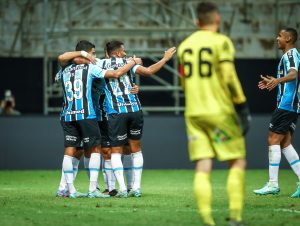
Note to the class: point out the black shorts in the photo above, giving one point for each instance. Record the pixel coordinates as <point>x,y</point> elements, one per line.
<point>283,121</point>
<point>83,130</point>
<point>125,126</point>
<point>103,125</point>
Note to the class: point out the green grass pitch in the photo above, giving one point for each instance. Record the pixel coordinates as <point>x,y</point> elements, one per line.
<point>28,198</point>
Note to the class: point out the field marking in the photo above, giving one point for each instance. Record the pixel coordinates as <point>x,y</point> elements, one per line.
<point>287,210</point>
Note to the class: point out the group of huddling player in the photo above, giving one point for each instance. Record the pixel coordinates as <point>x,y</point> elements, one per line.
<point>102,119</point>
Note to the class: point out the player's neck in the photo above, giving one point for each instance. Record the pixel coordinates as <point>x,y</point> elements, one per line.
<point>287,48</point>
<point>209,27</point>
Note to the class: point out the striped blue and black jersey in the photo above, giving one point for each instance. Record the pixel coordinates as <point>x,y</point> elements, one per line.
<point>118,97</point>
<point>288,95</point>
<point>79,82</point>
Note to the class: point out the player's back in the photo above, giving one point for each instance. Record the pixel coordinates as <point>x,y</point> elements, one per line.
<point>200,56</point>
<point>77,84</point>
<point>118,96</point>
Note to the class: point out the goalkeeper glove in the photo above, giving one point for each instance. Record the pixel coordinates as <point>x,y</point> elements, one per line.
<point>243,116</point>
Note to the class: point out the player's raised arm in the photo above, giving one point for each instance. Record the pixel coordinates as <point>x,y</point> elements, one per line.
<point>65,58</point>
<point>122,70</point>
<point>147,71</point>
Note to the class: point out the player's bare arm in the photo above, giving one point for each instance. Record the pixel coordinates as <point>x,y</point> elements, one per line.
<point>147,71</point>
<point>80,60</point>
<point>65,58</point>
<point>292,75</point>
<point>122,70</point>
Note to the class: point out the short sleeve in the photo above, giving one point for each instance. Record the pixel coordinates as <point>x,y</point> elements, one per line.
<point>58,75</point>
<point>99,62</point>
<point>133,69</point>
<point>226,50</point>
<point>96,71</point>
<point>292,60</point>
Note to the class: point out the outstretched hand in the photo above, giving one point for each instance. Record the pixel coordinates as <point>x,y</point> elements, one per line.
<point>267,82</point>
<point>169,53</point>
<point>263,82</point>
<point>273,82</point>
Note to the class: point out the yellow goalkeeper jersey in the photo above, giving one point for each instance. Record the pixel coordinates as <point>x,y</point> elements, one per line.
<point>206,90</point>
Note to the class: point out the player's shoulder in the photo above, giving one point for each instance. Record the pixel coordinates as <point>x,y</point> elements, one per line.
<point>290,54</point>
<point>224,43</point>
<point>221,38</point>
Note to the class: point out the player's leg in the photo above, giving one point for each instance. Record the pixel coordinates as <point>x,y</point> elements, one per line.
<point>108,175</point>
<point>111,180</point>
<point>137,167</point>
<point>279,128</point>
<point>118,170</point>
<point>201,151</point>
<point>136,124</point>
<point>117,130</point>
<point>104,175</point>
<point>236,189</point>
<point>127,163</point>
<point>72,140</point>
<point>91,141</point>
<point>76,160</point>
<point>203,190</point>
<point>293,159</point>
<point>229,145</point>
<point>63,188</point>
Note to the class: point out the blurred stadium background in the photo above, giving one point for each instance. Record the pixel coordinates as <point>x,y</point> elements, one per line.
<point>35,32</point>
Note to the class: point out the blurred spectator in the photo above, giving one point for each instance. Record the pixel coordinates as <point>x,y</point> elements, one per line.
<point>8,105</point>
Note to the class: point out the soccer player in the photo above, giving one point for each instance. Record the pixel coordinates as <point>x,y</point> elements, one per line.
<point>284,118</point>
<point>125,117</point>
<point>78,117</point>
<point>216,112</point>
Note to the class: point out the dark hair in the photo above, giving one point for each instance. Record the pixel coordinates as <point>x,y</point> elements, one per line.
<point>292,32</point>
<point>112,46</point>
<point>204,10</point>
<point>84,45</point>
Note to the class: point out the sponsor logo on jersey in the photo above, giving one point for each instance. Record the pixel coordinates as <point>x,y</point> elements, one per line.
<point>75,112</point>
<point>77,67</point>
<point>127,104</point>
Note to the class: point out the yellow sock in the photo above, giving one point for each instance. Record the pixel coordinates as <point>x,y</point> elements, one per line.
<point>236,190</point>
<point>202,189</point>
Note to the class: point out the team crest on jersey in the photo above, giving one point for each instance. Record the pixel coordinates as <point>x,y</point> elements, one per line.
<point>225,47</point>
<point>220,136</point>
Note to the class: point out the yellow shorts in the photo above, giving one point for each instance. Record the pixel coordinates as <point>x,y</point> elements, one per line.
<point>215,136</point>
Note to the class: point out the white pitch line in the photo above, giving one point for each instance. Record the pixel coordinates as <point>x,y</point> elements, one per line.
<point>287,210</point>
